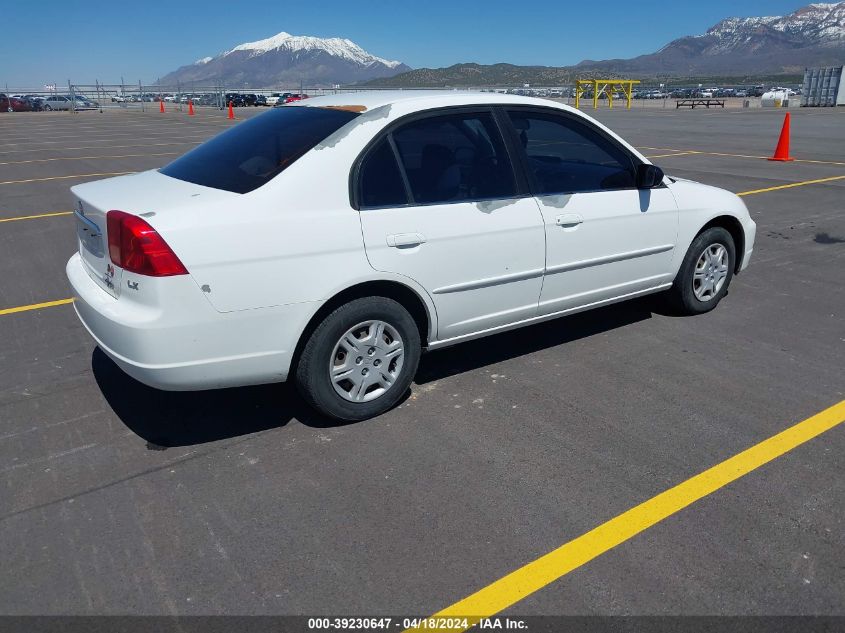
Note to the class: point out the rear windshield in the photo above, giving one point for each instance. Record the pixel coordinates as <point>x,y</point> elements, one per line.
<point>255,151</point>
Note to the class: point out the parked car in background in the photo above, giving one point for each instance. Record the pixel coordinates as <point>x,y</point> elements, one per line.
<point>261,100</point>
<point>84,103</point>
<point>285,96</point>
<point>36,101</point>
<point>277,97</point>
<point>236,99</point>
<point>331,247</point>
<point>57,102</point>
<point>206,99</point>
<point>295,97</point>
<point>14,104</point>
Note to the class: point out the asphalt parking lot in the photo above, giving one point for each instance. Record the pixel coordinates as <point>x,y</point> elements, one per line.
<point>117,499</point>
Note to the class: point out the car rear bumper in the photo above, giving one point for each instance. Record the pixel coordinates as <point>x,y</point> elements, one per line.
<point>189,345</point>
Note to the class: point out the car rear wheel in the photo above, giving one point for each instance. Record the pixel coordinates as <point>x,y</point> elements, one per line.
<point>705,273</point>
<point>360,360</point>
<point>48,108</point>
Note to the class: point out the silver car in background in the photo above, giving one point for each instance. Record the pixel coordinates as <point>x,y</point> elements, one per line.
<point>57,102</point>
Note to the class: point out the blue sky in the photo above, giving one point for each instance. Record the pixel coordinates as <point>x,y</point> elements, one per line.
<point>145,39</point>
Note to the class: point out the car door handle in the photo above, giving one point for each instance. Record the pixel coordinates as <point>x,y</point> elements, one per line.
<point>569,220</point>
<point>400,240</point>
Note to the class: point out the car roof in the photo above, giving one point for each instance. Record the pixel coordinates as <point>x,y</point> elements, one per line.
<point>423,99</point>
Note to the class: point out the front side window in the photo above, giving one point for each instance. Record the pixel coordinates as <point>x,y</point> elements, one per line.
<point>254,152</point>
<point>456,157</point>
<point>568,156</point>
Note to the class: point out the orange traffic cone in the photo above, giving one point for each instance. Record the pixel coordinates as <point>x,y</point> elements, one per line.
<point>160,104</point>
<point>190,107</point>
<point>782,150</point>
<point>231,111</point>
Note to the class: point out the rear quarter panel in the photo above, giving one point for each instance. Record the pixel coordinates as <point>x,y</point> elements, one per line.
<point>296,239</point>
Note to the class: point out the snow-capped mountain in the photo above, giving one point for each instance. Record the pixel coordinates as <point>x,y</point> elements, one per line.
<point>811,36</point>
<point>343,48</point>
<point>287,60</point>
<point>821,24</point>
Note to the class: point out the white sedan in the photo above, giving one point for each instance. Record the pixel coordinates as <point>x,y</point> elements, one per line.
<point>333,240</point>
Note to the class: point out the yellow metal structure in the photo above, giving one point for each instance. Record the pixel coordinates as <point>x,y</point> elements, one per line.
<point>606,86</point>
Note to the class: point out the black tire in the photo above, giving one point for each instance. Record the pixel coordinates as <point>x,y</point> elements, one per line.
<point>312,374</point>
<point>681,295</point>
<point>48,108</point>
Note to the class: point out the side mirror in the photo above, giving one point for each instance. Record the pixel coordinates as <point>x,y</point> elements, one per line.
<point>649,176</point>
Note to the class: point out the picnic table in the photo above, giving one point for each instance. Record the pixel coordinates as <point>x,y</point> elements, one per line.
<point>694,103</point>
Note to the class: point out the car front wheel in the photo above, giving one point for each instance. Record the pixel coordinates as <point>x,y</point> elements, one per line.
<point>360,360</point>
<point>705,273</point>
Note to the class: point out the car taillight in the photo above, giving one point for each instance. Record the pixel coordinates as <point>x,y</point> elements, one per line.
<point>137,247</point>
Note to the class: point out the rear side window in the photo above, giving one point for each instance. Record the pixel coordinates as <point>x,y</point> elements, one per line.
<point>255,151</point>
<point>454,158</point>
<point>381,180</point>
<point>568,156</point>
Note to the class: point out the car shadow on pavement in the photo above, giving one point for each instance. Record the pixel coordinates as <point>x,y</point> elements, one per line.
<point>501,347</point>
<point>169,418</point>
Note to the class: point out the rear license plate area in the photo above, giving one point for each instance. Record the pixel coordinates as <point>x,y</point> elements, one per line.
<point>89,234</point>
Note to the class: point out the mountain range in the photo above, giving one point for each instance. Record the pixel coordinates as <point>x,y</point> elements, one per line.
<point>811,36</point>
<point>287,60</point>
<point>735,47</point>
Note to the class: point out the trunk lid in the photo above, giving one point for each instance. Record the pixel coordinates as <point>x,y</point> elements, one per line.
<point>145,194</point>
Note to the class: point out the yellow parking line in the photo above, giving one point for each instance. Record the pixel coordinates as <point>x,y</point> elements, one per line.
<point>35,217</point>
<point>110,173</point>
<point>817,162</point>
<point>659,155</point>
<point>791,185</point>
<point>521,583</point>
<point>736,155</point>
<point>95,140</point>
<point>67,149</point>
<point>47,160</point>
<point>35,306</point>
<point>682,152</point>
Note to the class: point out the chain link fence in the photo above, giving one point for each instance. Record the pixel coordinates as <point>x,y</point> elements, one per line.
<point>142,97</point>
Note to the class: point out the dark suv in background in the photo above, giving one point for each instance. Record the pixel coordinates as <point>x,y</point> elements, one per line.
<point>237,100</point>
